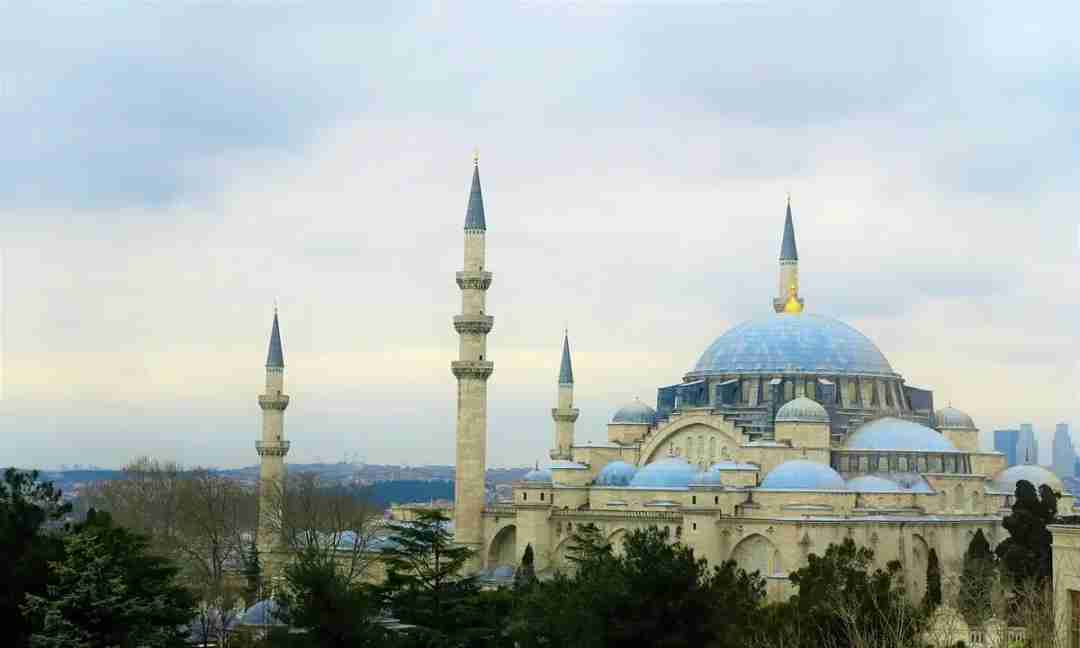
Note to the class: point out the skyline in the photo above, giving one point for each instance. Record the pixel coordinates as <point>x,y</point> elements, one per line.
<point>168,194</point>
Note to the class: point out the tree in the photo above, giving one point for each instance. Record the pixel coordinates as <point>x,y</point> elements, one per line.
<point>252,569</point>
<point>1025,555</point>
<point>525,575</point>
<point>655,593</point>
<point>424,583</point>
<point>932,599</point>
<point>108,590</point>
<point>27,508</point>
<point>975,593</point>
<point>843,601</point>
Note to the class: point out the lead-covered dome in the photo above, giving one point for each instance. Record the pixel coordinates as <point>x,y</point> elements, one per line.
<point>950,417</point>
<point>669,472</point>
<point>792,344</point>
<point>616,473</point>
<point>800,474</point>
<point>1006,480</point>
<point>537,475</point>
<point>889,433</point>
<point>635,412</point>
<point>802,410</point>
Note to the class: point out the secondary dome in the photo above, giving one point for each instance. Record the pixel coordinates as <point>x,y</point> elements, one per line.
<point>800,474</point>
<point>792,344</point>
<point>635,412</point>
<point>707,478</point>
<point>264,613</point>
<point>537,475</point>
<point>802,410</point>
<point>890,433</point>
<point>872,484</point>
<point>950,417</point>
<point>1005,481</point>
<point>669,472</point>
<point>616,473</point>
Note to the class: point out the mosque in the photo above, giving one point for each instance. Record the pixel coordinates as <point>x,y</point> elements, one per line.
<point>792,431</point>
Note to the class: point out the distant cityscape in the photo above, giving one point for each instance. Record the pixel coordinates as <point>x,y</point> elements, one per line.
<point>1021,447</point>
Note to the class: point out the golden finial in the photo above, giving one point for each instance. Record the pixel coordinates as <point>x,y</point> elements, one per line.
<point>476,156</point>
<point>793,305</point>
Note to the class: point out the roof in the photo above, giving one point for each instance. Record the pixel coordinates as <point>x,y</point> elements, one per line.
<point>1006,480</point>
<point>275,358</point>
<point>802,410</point>
<point>788,251</point>
<point>537,475</point>
<point>950,417</point>
<point>779,344</point>
<point>566,371</point>
<point>889,433</point>
<point>800,474</point>
<point>634,412</point>
<point>616,473</point>
<point>669,472</point>
<point>474,213</point>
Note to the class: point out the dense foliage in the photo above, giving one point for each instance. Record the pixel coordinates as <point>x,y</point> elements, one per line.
<point>932,598</point>
<point>1025,555</point>
<point>977,581</point>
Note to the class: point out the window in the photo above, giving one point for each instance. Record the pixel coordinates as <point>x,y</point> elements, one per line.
<point>716,500</point>
<point>693,499</point>
<point>525,496</point>
<point>693,526</point>
<point>1074,619</point>
<point>541,497</point>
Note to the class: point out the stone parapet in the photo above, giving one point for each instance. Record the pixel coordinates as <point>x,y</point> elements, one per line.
<point>273,401</point>
<point>473,323</point>
<point>565,415</point>
<point>472,368</point>
<point>474,280</point>
<point>274,449</point>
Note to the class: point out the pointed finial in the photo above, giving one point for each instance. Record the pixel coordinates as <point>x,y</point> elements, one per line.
<point>476,156</point>
<point>275,305</point>
<point>789,199</point>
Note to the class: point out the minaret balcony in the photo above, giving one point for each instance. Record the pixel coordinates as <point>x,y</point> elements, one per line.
<point>475,280</point>
<point>273,401</point>
<point>473,323</point>
<point>565,415</point>
<point>272,448</point>
<point>472,368</point>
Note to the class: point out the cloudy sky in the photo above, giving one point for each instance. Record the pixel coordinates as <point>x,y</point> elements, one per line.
<point>168,169</point>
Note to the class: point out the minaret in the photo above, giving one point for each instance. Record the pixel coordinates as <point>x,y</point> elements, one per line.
<point>273,447</point>
<point>472,369</point>
<point>789,267</point>
<point>565,414</point>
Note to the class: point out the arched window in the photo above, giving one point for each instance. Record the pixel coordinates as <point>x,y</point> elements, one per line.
<point>541,497</point>
<point>958,497</point>
<point>525,496</point>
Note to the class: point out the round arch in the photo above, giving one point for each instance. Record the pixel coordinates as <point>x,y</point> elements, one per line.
<point>502,552</point>
<point>758,553</point>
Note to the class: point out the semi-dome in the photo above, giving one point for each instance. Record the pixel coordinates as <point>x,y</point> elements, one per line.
<point>635,412</point>
<point>616,473</point>
<point>1005,481</point>
<point>891,433</point>
<point>537,475</point>
<point>669,472</point>
<point>950,417</point>
<point>792,344</point>
<point>800,474</point>
<point>802,410</point>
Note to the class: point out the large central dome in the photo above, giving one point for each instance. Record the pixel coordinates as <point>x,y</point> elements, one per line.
<point>802,343</point>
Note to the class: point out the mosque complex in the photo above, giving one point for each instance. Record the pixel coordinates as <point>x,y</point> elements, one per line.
<point>791,432</point>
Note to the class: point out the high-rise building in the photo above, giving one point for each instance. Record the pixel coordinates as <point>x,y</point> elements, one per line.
<point>1005,443</point>
<point>1027,446</point>
<point>1064,456</point>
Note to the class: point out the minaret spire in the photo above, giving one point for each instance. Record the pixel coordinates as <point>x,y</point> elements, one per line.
<point>272,446</point>
<point>787,298</point>
<point>472,369</point>
<point>564,414</point>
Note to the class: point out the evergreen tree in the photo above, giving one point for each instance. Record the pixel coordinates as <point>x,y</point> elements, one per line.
<point>108,590</point>
<point>252,569</point>
<point>977,581</point>
<point>525,575</point>
<point>1025,555</point>
<point>932,599</point>
<point>27,507</point>
<point>424,583</point>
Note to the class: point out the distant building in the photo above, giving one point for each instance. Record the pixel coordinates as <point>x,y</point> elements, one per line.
<point>1005,443</point>
<point>1027,446</point>
<point>1064,456</point>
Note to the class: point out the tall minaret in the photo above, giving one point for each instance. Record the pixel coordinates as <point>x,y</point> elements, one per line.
<point>789,267</point>
<point>472,370</point>
<point>565,414</point>
<point>273,447</point>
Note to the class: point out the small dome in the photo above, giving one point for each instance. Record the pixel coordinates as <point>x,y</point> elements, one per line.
<point>1005,481</point>
<point>800,474</point>
<point>950,417</point>
<point>263,613</point>
<point>872,484</point>
<point>670,472</point>
<point>635,412</point>
<point>802,410</point>
<point>616,473</point>
<point>538,475</point>
<point>890,433</point>
<point>707,478</point>
<point>732,465</point>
